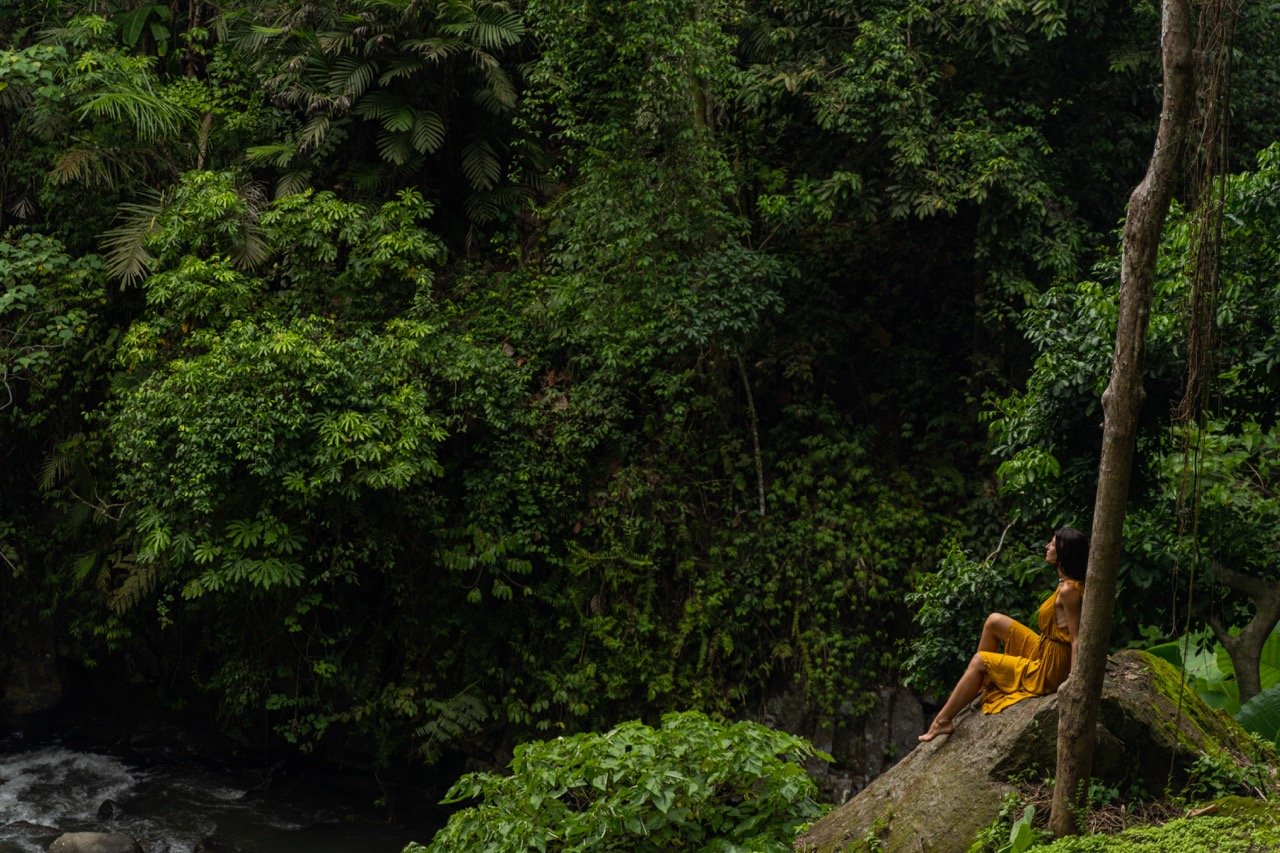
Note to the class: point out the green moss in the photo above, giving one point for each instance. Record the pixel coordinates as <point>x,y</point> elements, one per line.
<point>1240,825</point>
<point>1201,729</point>
<point>1221,834</point>
<point>1248,808</point>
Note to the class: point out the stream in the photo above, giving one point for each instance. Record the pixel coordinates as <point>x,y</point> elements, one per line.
<point>174,803</point>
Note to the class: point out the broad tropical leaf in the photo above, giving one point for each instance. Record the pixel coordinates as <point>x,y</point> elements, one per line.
<point>1261,714</point>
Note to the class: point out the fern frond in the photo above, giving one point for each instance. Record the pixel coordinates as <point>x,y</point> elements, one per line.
<point>455,719</point>
<point>480,165</point>
<point>428,132</point>
<point>501,86</point>
<point>137,584</point>
<point>483,207</point>
<point>56,469</point>
<point>15,95</point>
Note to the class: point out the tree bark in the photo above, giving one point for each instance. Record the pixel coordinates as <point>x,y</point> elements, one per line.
<point>755,431</point>
<point>1245,648</point>
<point>1121,402</point>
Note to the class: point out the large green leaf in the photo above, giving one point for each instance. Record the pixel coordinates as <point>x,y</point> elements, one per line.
<point>1261,714</point>
<point>1268,662</point>
<point>1220,694</point>
<point>1204,669</point>
<point>1170,651</point>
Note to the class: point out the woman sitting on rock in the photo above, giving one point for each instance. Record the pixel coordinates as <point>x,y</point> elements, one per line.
<point>1031,664</point>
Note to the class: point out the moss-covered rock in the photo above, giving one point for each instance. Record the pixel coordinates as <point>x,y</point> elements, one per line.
<point>1151,729</point>
<point>1236,825</point>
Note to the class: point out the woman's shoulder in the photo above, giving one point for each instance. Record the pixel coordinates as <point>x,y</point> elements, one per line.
<point>1070,589</point>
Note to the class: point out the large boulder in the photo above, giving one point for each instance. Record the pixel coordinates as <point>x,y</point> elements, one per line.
<point>1151,728</point>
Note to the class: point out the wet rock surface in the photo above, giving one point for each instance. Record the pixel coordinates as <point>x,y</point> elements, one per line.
<point>94,842</point>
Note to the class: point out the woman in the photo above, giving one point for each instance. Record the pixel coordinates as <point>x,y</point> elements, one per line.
<point>1031,664</point>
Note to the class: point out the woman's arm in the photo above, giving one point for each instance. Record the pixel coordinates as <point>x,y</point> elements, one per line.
<point>1070,596</point>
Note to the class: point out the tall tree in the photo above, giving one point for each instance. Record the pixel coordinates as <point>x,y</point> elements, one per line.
<point>1121,404</point>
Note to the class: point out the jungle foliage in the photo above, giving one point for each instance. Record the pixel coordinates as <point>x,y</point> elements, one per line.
<point>400,380</point>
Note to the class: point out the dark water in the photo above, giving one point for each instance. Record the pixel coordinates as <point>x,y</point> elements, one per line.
<point>179,803</point>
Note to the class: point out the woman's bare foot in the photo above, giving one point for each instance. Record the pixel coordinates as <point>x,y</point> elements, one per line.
<point>940,727</point>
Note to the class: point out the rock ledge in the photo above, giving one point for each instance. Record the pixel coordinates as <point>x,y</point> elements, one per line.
<point>1151,729</point>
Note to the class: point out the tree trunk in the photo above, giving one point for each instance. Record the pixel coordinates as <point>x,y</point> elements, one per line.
<point>1245,648</point>
<point>1121,402</point>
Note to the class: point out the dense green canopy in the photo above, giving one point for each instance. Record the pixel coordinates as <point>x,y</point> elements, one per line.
<point>404,379</point>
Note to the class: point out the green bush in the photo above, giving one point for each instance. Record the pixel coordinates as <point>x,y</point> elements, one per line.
<point>693,783</point>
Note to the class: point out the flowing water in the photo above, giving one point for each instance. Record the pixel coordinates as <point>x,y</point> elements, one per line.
<point>175,804</point>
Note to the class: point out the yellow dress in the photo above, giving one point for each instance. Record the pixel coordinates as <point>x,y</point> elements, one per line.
<point>1031,664</point>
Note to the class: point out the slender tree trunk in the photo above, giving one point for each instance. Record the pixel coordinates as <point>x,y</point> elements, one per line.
<point>1121,402</point>
<point>1245,648</point>
<point>755,431</point>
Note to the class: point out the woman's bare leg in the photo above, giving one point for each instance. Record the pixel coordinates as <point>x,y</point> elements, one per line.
<point>965,691</point>
<point>994,632</point>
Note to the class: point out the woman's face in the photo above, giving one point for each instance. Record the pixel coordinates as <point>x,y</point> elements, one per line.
<point>1051,551</point>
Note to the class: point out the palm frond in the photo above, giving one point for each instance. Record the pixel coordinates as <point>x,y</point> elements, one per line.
<point>125,245</point>
<point>350,78</point>
<point>150,116</point>
<point>313,132</point>
<point>368,179</point>
<point>394,147</point>
<point>279,154</point>
<point>15,94</point>
<point>76,164</point>
<point>489,101</point>
<point>401,66</point>
<point>251,250</point>
<point>294,182</point>
<point>379,105</point>
<point>498,31</point>
<point>335,42</point>
<point>435,50</point>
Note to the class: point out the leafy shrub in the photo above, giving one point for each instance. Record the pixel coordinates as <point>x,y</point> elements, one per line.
<point>692,783</point>
<point>952,603</point>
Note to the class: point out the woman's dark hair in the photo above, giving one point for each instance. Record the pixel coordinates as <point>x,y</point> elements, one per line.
<point>1073,552</point>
